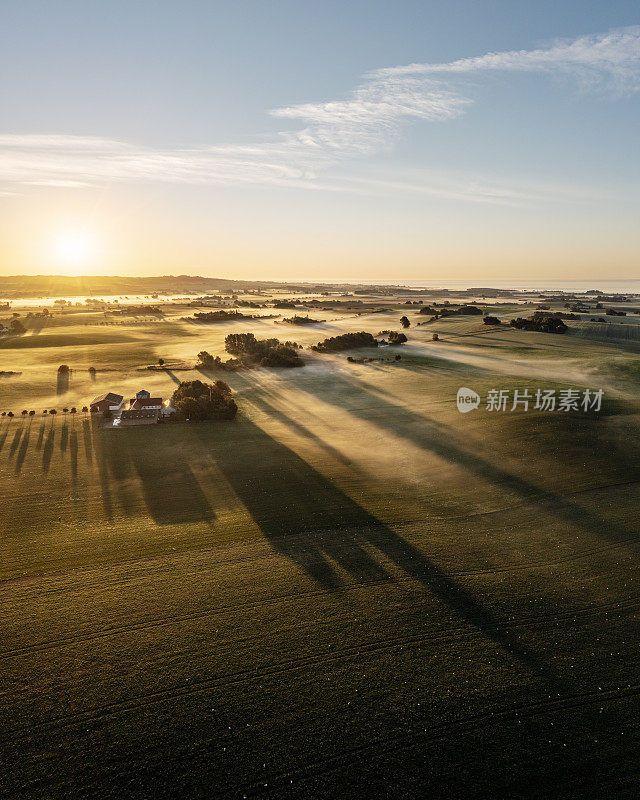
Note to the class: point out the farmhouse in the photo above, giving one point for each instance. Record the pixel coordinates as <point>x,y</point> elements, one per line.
<point>106,402</point>
<point>138,403</point>
<point>144,416</point>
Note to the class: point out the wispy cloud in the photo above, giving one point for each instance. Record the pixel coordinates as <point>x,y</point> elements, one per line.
<point>612,57</point>
<point>330,134</point>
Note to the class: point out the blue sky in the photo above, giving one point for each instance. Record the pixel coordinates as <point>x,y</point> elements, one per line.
<point>290,140</point>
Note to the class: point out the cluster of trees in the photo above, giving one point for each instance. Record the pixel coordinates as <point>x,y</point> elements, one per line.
<point>296,320</point>
<point>404,321</point>
<point>393,337</point>
<point>217,316</point>
<point>465,309</point>
<point>252,352</point>
<point>15,327</point>
<point>263,352</point>
<point>448,311</point>
<point>346,341</point>
<point>491,320</point>
<point>196,401</point>
<point>544,323</point>
<point>283,304</point>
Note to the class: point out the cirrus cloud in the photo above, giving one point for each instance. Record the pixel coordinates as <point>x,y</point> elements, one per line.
<point>330,134</point>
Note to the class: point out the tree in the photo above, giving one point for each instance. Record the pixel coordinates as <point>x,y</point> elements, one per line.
<point>264,352</point>
<point>346,341</point>
<point>65,411</point>
<point>195,400</point>
<point>491,321</point>
<point>435,337</point>
<point>92,370</point>
<point>16,327</point>
<point>64,369</point>
<point>161,362</point>
<point>53,412</point>
<point>24,412</point>
<point>85,409</point>
<point>10,414</point>
<point>74,410</point>
<point>45,412</point>
<point>404,321</point>
<point>205,360</point>
<point>32,413</point>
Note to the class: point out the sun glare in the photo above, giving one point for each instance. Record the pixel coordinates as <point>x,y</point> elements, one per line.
<point>74,250</point>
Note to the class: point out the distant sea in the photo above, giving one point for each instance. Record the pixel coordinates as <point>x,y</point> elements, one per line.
<point>608,287</point>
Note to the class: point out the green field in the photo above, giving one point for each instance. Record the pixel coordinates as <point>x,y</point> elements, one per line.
<point>352,590</point>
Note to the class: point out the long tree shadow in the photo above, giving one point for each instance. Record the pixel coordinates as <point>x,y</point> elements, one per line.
<point>47,449</point>
<point>287,498</point>
<point>22,451</point>
<point>40,438</point>
<point>15,442</point>
<point>162,483</point>
<point>63,382</point>
<point>92,430</point>
<point>258,397</point>
<point>170,489</point>
<point>172,375</point>
<point>64,438</point>
<point>433,437</point>
<point>73,453</point>
<point>3,435</point>
<point>86,438</point>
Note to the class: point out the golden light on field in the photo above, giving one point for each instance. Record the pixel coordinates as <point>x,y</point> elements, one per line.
<point>75,250</point>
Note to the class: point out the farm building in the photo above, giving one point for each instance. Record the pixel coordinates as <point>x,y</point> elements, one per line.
<point>168,408</point>
<point>142,416</point>
<point>138,403</point>
<point>106,402</point>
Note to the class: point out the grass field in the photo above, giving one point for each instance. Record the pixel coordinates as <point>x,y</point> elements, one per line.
<point>352,590</point>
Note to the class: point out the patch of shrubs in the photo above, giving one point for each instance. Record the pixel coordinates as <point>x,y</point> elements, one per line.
<point>449,311</point>
<point>544,323</point>
<point>393,337</point>
<point>197,401</point>
<point>346,341</point>
<point>471,310</point>
<point>283,304</point>
<point>217,316</point>
<point>296,320</point>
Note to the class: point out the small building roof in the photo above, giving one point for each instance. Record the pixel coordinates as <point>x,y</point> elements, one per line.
<point>143,393</point>
<point>111,397</point>
<point>143,402</point>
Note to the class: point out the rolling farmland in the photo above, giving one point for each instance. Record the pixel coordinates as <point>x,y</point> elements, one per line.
<point>350,590</point>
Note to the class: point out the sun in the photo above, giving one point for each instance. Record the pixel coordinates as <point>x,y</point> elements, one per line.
<point>74,250</point>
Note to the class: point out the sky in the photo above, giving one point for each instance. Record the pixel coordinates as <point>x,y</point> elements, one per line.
<point>436,140</point>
